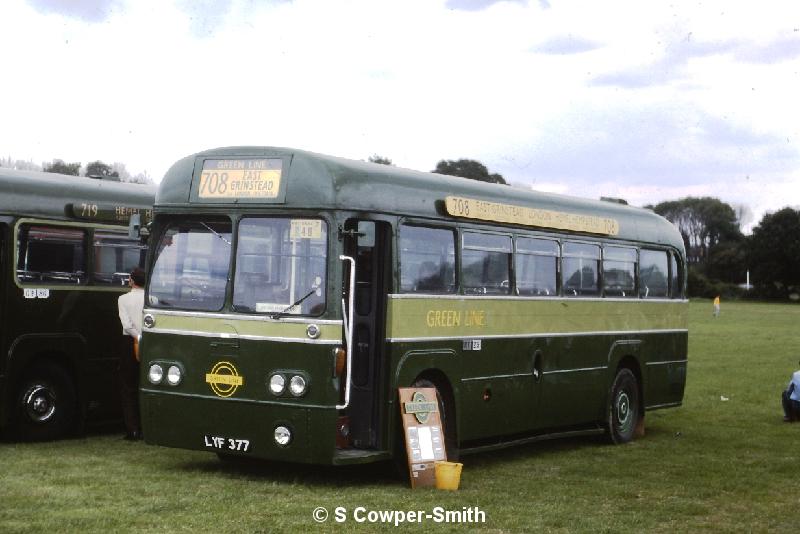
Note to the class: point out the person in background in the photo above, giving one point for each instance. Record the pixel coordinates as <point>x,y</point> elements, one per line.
<point>130,315</point>
<point>716,306</point>
<point>791,399</point>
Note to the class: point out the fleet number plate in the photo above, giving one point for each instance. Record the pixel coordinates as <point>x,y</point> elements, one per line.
<point>220,443</point>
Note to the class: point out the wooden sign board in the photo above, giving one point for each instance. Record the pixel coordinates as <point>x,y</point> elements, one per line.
<point>424,434</point>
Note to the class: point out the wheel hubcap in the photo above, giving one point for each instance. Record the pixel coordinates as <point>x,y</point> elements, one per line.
<point>40,403</point>
<point>623,409</point>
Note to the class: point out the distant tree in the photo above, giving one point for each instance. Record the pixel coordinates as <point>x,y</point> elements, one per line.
<point>703,223</point>
<point>122,172</point>
<point>774,252</point>
<point>140,178</point>
<point>727,262</point>
<point>468,168</point>
<point>98,168</point>
<point>60,167</point>
<point>375,158</point>
<point>19,164</point>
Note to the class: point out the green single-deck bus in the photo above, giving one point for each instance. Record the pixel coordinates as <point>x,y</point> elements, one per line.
<point>65,253</point>
<point>291,294</point>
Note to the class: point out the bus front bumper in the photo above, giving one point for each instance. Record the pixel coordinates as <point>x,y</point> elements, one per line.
<point>240,427</point>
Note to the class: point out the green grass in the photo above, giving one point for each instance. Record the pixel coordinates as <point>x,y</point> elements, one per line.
<point>712,465</point>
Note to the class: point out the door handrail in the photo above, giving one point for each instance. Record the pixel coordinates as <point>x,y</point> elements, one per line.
<point>347,319</point>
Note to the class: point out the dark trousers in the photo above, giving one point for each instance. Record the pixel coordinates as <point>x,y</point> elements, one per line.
<point>791,408</point>
<point>129,388</point>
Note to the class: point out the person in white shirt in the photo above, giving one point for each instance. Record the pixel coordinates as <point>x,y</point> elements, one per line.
<point>130,315</point>
<point>791,399</point>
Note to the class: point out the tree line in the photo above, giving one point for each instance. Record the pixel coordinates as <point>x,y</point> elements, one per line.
<point>720,255</point>
<point>115,171</point>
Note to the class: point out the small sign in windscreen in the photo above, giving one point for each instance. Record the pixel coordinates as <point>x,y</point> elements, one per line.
<point>240,178</point>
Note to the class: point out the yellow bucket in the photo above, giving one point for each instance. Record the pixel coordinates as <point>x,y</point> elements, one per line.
<point>448,475</point>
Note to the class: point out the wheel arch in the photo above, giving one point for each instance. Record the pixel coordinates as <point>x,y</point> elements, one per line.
<point>67,351</point>
<point>437,366</point>
<point>626,354</point>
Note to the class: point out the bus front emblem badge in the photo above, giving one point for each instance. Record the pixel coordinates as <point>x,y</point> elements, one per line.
<point>224,379</point>
<point>420,407</point>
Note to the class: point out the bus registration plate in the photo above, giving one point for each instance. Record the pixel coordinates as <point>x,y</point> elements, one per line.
<point>221,443</point>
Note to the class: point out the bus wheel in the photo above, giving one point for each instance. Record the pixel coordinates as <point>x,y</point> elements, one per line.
<point>446,415</point>
<point>45,403</point>
<point>623,411</point>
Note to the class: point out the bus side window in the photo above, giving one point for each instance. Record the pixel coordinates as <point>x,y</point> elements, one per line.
<point>581,266</point>
<point>619,272</point>
<point>427,260</point>
<point>653,273</point>
<point>676,278</point>
<point>486,264</point>
<point>115,256</point>
<point>56,255</point>
<point>536,263</point>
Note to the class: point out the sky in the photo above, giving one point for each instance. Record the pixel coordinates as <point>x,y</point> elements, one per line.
<point>646,101</point>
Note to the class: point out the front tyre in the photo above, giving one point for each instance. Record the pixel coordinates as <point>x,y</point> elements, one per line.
<point>45,403</point>
<point>624,408</point>
<point>447,418</point>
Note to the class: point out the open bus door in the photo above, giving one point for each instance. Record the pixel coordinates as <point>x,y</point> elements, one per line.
<point>370,246</point>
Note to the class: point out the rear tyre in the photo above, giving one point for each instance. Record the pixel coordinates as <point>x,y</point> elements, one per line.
<point>45,404</point>
<point>623,410</point>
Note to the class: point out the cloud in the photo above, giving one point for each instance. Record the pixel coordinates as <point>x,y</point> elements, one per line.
<point>205,16</point>
<point>565,45</point>
<point>476,5</point>
<point>774,52</point>
<point>669,67</point>
<point>208,18</point>
<point>673,63</point>
<point>643,146</point>
<point>86,10</point>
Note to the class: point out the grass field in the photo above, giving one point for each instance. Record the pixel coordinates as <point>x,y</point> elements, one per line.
<point>712,465</point>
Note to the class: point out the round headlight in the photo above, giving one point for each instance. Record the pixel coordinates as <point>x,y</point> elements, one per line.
<point>277,384</point>
<point>282,435</point>
<point>155,374</point>
<point>174,375</point>
<point>297,386</point>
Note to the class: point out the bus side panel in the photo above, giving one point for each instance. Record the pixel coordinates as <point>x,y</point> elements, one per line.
<point>63,325</point>
<point>666,370</point>
<point>493,385</point>
<point>98,313</point>
<point>574,380</point>
<point>498,388</point>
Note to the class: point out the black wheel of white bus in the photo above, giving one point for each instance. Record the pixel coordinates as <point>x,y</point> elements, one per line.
<point>623,411</point>
<point>46,403</point>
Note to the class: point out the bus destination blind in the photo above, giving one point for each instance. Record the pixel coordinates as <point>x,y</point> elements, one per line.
<point>240,178</point>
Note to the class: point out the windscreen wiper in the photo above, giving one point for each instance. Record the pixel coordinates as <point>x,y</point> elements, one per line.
<point>215,233</point>
<point>285,312</point>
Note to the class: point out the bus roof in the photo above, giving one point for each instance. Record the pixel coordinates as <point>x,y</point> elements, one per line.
<point>51,195</point>
<point>317,181</point>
